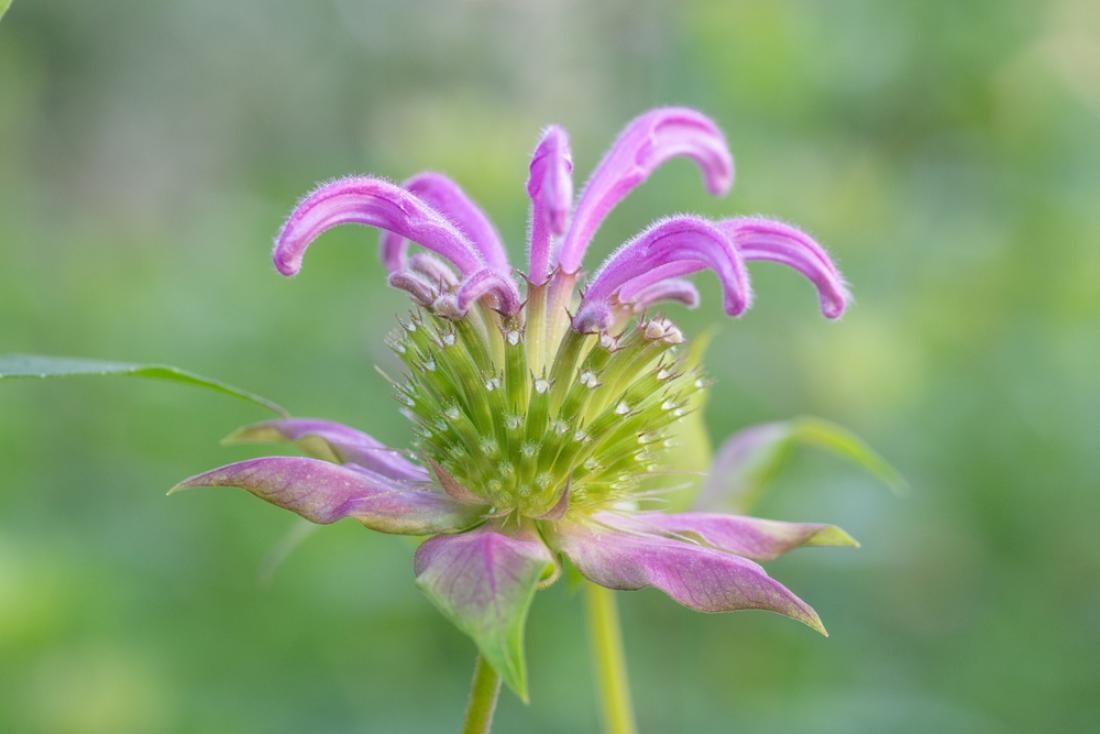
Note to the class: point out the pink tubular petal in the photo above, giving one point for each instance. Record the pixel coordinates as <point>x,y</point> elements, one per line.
<point>550,186</point>
<point>751,537</point>
<point>446,197</point>
<point>674,246</point>
<point>435,270</point>
<point>757,238</point>
<point>629,292</point>
<point>704,579</point>
<point>646,143</point>
<point>422,291</point>
<point>489,282</point>
<point>484,581</point>
<point>376,203</point>
<point>669,289</point>
<point>334,442</point>
<point>323,493</point>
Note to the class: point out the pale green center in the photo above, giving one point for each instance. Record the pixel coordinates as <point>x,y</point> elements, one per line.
<point>516,428</point>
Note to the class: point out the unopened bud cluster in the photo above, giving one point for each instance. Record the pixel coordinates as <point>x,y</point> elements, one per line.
<point>595,419</point>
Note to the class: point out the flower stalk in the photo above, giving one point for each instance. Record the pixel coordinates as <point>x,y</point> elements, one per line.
<point>484,691</point>
<point>609,660</point>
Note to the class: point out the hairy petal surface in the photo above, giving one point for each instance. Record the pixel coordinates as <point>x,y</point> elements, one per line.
<point>702,578</point>
<point>485,282</point>
<point>669,289</point>
<point>445,196</point>
<point>674,246</point>
<point>751,537</point>
<point>435,270</point>
<point>484,581</point>
<point>376,203</point>
<point>550,186</point>
<point>323,493</point>
<point>417,286</point>
<point>333,442</point>
<point>630,290</point>
<point>757,238</point>
<point>647,142</point>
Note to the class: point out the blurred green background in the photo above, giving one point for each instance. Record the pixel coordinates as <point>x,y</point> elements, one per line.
<point>947,152</point>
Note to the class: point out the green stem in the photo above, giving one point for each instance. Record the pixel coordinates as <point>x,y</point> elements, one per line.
<point>607,655</point>
<point>483,699</point>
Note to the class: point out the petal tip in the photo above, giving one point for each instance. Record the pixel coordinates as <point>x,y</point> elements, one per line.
<point>832,536</point>
<point>185,484</point>
<point>286,265</point>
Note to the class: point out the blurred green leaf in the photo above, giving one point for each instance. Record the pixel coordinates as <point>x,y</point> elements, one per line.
<point>4,5</point>
<point>297,534</point>
<point>686,463</point>
<point>31,367</point>
<point>749,461</point>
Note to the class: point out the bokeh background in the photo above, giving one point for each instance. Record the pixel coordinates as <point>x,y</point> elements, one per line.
<point>947,152</point>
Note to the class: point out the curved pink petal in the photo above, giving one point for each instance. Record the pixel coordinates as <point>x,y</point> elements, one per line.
<point>484,581</point>
<point>757,238</point>
<point>751,537</point>
<point>445,196</point>
<point>435,270</point>
<point>630,290</point>
<point>647,142</point>
<point>335,442</point>
<point>323,492</point>
<point>550,186</point>
<point>485,282</point>
<point>669,289</point>
<point>376,203</point>
<point>416,285</point>
<point>704,579</point>
<point>680,245</point>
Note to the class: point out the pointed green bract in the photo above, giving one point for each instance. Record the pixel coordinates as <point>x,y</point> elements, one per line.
<point>598,420</point>
<point>484,581</point>
<point>33,366</point>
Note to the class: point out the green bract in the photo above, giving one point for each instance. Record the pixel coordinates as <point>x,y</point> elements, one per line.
<point>596,420</point>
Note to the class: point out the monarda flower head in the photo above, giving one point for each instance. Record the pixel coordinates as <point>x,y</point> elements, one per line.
<point>543,414</point>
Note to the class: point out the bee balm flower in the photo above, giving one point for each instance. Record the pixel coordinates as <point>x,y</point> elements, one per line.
<point>535,429</point>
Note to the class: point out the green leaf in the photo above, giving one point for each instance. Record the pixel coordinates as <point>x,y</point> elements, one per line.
<point>750,460</point>
<point>4,5</point>
<point>36,367</point>
<point>294,537</point>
